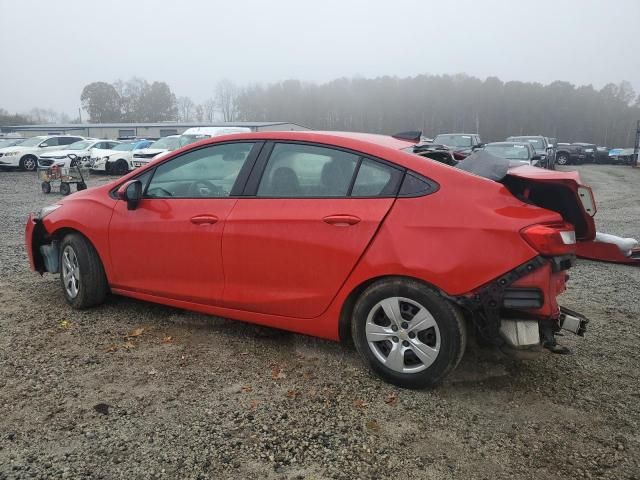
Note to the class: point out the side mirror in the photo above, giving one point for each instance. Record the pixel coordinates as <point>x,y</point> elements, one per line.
<point>72,156</point>
<point>479,146</point>
<point>131,192</point>
<point>43,145</point>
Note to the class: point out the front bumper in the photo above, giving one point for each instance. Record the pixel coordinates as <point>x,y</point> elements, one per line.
<point>10,161</point>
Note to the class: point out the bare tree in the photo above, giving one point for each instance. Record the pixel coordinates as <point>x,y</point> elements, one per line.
<point>185,109</point>
<point>209,107</point>
<point>226,95</point>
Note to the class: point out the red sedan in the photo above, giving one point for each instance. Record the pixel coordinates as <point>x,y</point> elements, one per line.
<point>336,235</point>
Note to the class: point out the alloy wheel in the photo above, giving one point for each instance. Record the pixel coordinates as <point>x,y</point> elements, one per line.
<point>403,335</point>
<point>29,164</point>
<point>70,271</point>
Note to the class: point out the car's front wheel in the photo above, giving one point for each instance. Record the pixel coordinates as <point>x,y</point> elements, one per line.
<point>82,276</point>
<point>562,159</point>
<point>407,333</point>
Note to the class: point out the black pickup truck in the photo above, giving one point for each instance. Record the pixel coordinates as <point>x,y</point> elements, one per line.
<point>568,154</point>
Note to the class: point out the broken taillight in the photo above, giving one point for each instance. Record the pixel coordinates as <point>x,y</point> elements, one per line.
<point>551,239</point>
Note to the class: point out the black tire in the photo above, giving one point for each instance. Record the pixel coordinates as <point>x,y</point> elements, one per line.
<point>29,163</point>
<point>562,159</point>
<point>81,186</point>
<point>120,167</point>
<point>46,187</point>
<point>92,286</point>
<point>65,188</point>
<point>451,331</point>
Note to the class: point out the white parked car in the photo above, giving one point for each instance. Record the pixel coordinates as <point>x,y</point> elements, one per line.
<point>163,145</point>
<point>25,155</point>
<point>80,151</point>
<point>118,160</point>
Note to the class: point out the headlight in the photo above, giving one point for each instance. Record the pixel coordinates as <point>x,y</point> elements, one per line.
<point>105,159</point>
<point>47,210</point>
<point>542,157</point>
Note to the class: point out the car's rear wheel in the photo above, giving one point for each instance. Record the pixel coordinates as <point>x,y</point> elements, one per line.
<point>28,163</point>
<point>82,276</point>
<point>407,333</point>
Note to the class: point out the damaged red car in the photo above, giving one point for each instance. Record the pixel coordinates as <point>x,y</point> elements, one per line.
<point>342,236</point>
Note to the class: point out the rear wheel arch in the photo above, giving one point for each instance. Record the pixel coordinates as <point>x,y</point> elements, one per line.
<point>346,312</point>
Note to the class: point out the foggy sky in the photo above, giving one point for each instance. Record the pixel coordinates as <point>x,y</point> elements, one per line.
<point>50,50</point>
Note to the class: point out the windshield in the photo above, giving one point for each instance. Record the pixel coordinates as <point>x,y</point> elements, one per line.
<point>10,142</point>
<point>187,139</point>
<point>81,145</point>
<point>124,147</point>
<point>32,142</point>
<point>535,142</point>
<point>510,151</point>
<point>168,143</point>
<point>453,140</point>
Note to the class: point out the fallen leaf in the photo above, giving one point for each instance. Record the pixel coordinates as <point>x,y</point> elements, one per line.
<point>244,353</point>
<point>359,404</point>
<point>373,425</point>
<point>64,324</point>
<point>293,393</point>
<point>153,371</point>
<point>137,332</point>
<point>111,349</point>
<point>128,345</point>
<point>167,339</point>
<point>277,374</point>
<point>391,399</point>
<point>254,404</point>
<point>246,388</point>
<point>309,375</point>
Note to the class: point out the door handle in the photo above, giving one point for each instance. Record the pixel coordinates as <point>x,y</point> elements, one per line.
<point>341,220</point>
<point>204,219</point>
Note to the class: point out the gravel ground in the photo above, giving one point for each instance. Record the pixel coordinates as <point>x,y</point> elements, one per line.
<point>135,390</point>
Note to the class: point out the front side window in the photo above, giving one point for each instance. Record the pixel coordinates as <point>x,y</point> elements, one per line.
<point>307,171</point>
<point>208,172</point>
<point>52,142</point>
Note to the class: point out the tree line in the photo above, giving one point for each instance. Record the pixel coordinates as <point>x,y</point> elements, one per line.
<point>451,103</point>
<point>431,103</point>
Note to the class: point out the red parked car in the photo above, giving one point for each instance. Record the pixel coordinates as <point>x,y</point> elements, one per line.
<point>335,235</point>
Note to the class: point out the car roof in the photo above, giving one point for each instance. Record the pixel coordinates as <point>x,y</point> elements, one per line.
<point>510,143</point>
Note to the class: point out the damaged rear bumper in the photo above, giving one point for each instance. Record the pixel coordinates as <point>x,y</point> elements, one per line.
<point>519,310</point>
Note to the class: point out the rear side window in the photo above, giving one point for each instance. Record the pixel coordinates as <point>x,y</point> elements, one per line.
<point>67,140</point>
<point>376,179</point>
<point>415,185</point>
<point>299,171</point>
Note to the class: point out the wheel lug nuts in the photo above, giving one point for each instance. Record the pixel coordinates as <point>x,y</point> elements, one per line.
<point>405,343</point>
<point>412,335</point>
<point>394,328</point>
<point>405,325</point>
<point>395,339</point>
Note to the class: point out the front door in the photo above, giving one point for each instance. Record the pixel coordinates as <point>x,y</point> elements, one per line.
<point>289,247</point>
<point>170,245</point>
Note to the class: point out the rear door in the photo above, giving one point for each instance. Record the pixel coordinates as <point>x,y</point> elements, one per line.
<point>310,213</point>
